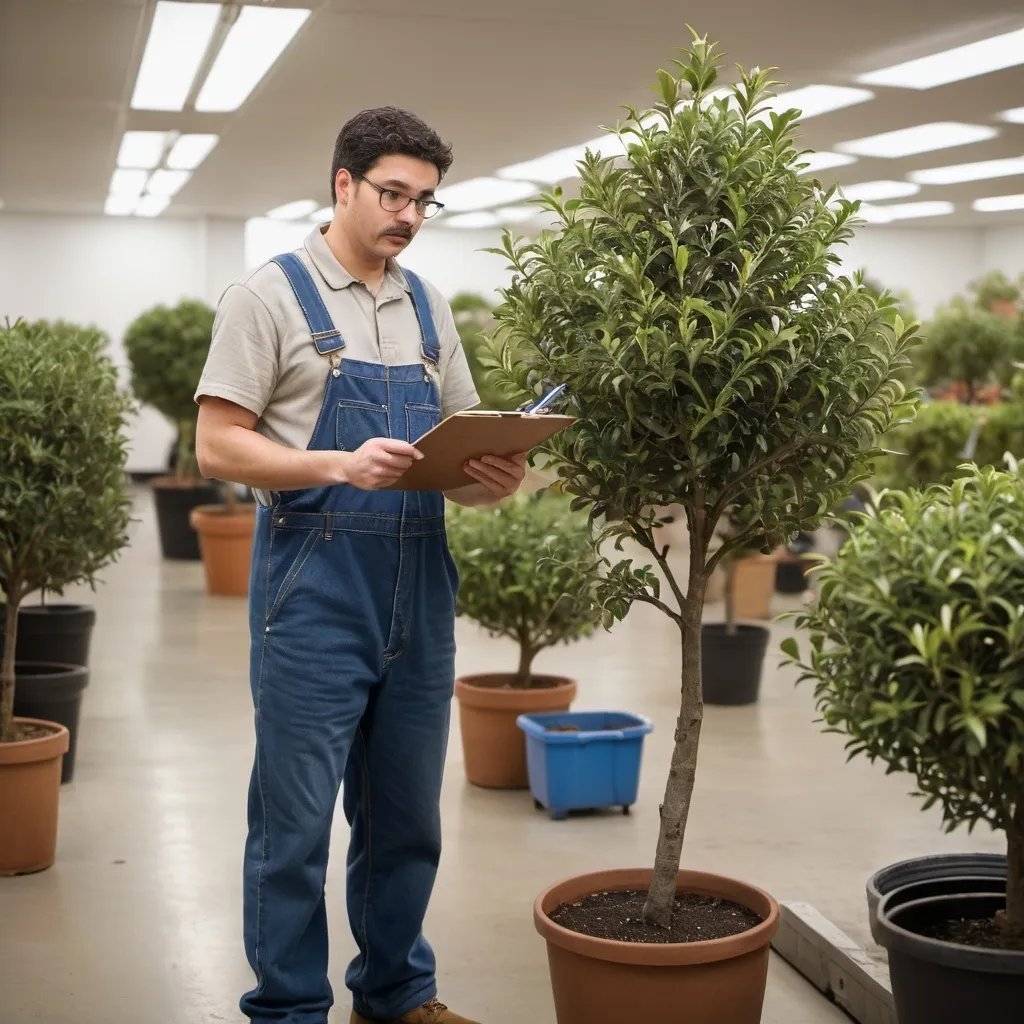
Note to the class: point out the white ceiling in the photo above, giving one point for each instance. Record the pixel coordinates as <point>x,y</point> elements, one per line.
<point>503,81</point>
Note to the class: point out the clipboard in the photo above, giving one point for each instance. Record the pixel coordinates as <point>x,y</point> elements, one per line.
<point>469,435</point>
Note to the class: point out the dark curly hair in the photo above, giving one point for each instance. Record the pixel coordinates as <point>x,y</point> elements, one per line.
<point>386,131</point>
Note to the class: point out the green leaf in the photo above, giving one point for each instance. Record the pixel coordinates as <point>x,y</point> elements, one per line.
<point>790,648</point>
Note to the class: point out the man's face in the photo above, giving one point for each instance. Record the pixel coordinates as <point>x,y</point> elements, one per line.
<point>385,233</point>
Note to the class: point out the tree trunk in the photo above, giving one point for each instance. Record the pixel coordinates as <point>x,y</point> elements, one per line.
<point>188,466</point>
<point>730,595</point>
<point>526,656</point>
<point>1014,917</point>
<point>7,665</point>
<point>683,769</point>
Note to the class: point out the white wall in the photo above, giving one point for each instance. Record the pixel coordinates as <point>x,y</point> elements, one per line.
<point>1004,250</point>
<point>107,270</point>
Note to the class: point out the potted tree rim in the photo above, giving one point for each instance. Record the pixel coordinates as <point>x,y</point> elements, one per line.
<point>917,654</point>
<point>997,294</point>
<point>688,299</point>
<point>63,516</point>
<point>167,349</point>
<point>511,591</point>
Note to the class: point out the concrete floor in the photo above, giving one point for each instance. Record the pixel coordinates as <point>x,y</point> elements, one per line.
<point>139,921</point>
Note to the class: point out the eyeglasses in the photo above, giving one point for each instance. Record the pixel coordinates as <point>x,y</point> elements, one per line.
<point>395,202</point>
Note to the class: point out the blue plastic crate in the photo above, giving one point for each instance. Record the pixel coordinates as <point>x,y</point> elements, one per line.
<point>598,765</point>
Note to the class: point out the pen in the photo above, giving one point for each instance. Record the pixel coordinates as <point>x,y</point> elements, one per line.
<point>546,400</point>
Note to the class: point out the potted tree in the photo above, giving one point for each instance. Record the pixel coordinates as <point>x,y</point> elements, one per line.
<point>714,359</point>
<point>225,543</point>
<point>167,349</point>
<point>917,654</point>
<point>511,591</point>
<point>968,353</point>
<point>57,631</point>
<point>996,293</point>
<point>63,516</point>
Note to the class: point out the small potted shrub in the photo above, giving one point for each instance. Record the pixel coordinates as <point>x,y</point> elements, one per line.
<point>917,654</point>
<point>969,352</point>
<point>996,293</point>
<point>167,349</point>
<point>512,591</point>
<point>225,542</point>
<point>715,361</point>
<point>64,515</point>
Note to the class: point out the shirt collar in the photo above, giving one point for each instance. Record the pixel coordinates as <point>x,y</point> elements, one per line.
<point>336,276</point>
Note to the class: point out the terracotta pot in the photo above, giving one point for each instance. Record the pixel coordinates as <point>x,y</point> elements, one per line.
<point>1006,308</point>
<point>493,745</point>
<point>754,586</point>
<point>225,540</point>
<point>29,799</point>
<point>600,981</point>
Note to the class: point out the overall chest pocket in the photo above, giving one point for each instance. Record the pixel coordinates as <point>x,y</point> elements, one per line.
<point>419,419</point>
<point>357,422</point>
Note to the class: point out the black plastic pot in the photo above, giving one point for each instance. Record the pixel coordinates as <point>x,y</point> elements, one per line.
<point>54,693</point>
<point>731,663</point>
<point>790,575</point>
<point>55,633</point>
<point>174,504</point>
<point>938,867</point>
<point>935,982</point>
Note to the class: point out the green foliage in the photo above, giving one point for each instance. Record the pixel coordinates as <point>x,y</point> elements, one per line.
<point>167,349</point>
<point>965,343</point>
<point>994,286</point>
<point>64,511</point>
<point>917,642</point>
<point>474,320</point>
<point>689,301</point>
<point>525,570</point>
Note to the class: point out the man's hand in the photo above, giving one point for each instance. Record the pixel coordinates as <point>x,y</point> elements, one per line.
<point>496,476</point>
<point>379,462</point>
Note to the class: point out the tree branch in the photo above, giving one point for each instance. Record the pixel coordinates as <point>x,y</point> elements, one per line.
<point>651,599</point>
<point>646,539</point>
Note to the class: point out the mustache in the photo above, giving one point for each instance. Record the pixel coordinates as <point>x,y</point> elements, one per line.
<point>398,231</point>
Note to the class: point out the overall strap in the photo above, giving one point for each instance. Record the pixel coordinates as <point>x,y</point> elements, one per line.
<point>326,336</point>
<point>431,347</point>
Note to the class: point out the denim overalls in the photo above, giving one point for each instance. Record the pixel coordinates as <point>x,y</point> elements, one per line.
<point>352,620</point>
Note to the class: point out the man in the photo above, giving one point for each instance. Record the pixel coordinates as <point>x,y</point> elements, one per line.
<point>325,364</point>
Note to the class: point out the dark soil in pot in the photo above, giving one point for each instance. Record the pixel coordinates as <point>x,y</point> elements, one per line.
<point>620,916</point>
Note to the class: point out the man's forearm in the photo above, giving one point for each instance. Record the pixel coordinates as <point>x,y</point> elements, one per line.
<point>243,456</point>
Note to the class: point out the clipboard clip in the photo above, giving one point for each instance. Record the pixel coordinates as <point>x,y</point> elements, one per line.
<point>544,403</point>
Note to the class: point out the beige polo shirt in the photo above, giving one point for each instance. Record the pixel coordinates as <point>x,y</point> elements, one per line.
<point>263,359</point>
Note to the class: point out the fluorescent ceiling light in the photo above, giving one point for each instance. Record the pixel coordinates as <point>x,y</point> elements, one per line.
<point>178,39</point>
<point>253,44</point>
<point>120,206</point>
<point>293,211</point>
<point>517,214</point>
<point>814,100</point>
<point>958,173</point>
<point>479,193</point>
<point>141,149</point>
<point>1005,51</point>
<point>479,219</point>
<point>923,138</point>
<point>1015,116</point>
<point>128,182</point>
<point>561,163</point>
<point>995,204</point>
<point>190,151</point>
<point>167,183</point>
<point>904,211</point>
<point>325,213</point>
<point>873,191</point>
<point>151,206</point>
<point>824,160</point>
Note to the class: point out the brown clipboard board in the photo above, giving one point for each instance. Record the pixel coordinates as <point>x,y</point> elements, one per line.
<point>469,435</point>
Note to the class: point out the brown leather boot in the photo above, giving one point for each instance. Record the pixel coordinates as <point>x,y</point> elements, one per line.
<point>432,1012</point>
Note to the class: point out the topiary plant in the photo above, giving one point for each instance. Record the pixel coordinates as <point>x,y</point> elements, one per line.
<point>917,649</point>
<point>64,511</point>
<point>968,345</point>
<point>523,568</point>
<point>689,301</point>
<point>167,349</point>
<point>994,287</point>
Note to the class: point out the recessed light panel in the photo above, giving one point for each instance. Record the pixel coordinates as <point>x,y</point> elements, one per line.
<point>979,171</point>
<point>996,204</point>
<point>141,149</point>
<point>875,191</point>
<point>190,151</point>
<point>481,193</point>
<point>923,138</point>
<point>293,211</point>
